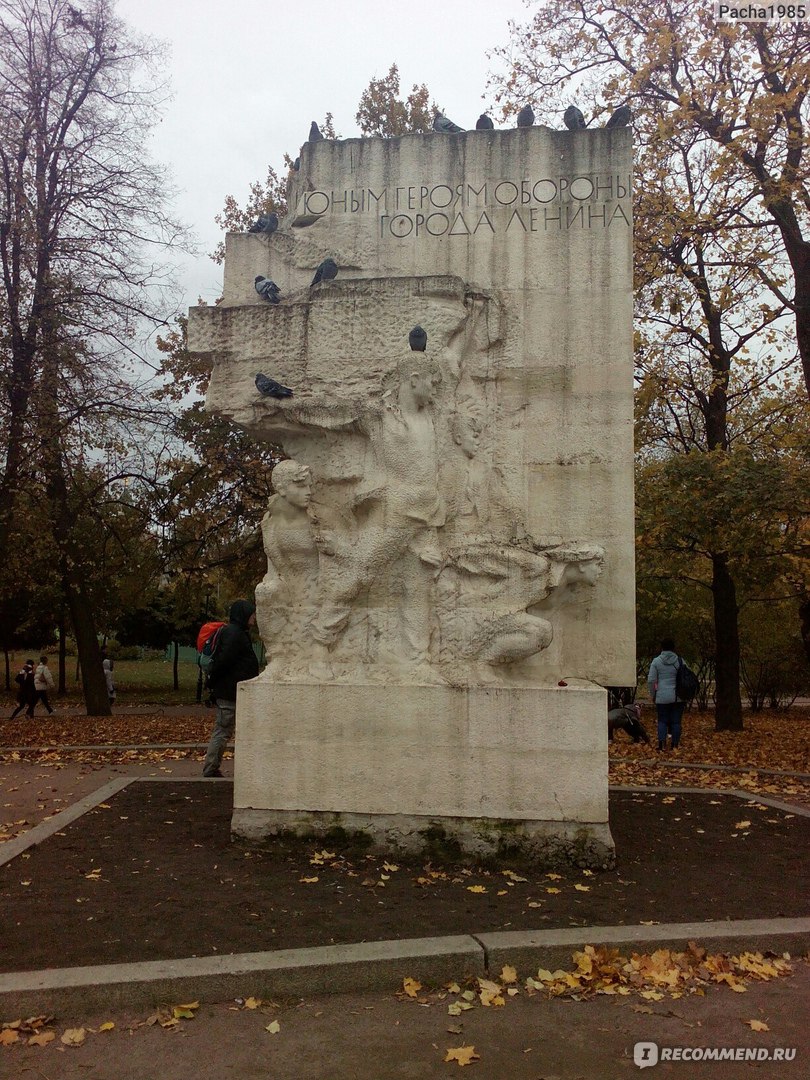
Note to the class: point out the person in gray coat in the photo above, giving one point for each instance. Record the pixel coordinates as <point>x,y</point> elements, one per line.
<point>661,681</point>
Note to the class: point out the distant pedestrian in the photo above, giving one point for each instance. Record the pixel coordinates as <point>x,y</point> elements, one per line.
<point>107,664</point>
<point>661,682</point>
<point>26,693</point>
<point>232,662</point>
<point>43,682</point>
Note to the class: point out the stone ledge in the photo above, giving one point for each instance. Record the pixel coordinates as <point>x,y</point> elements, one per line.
<point>377,965</point>
<point>551,949</point>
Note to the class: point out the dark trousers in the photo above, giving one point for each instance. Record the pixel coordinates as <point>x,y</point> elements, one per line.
<point>42,695</point>
<point>669,720</point>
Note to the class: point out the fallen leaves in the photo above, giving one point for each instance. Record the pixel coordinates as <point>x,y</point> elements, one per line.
<point>462,1055</point>
<point>274,1027</point>
<point>73,1036</point>
<point>42,1038</point>
<point>652,976</point>
<point>411,987</point>
<point>757,1025</point>
<point>770,740</point>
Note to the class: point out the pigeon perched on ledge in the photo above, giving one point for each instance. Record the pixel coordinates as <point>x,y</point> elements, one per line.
<point>445,126</point>
<point>270,388</point>
<point>484,123</point>
<point>417,339</point>
<point>314,133</point>
<point>266,223</point>
<point>573,118</point>
<point>621,117</point>
<point>325,272</point>
<point>525,118</point>
<point>267,289</point>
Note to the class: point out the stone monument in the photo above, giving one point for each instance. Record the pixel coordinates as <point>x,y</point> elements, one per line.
<point>450,576</point>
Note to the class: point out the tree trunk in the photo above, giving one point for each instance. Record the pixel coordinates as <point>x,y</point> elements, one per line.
<point>62,652</point>
<point>175,666</point>
<point>728,701</point>
<point>804,624</point>
<point>8,667</point>
<point>94,684</point>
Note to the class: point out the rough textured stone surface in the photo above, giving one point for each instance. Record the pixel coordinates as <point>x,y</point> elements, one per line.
<point>457,518</point>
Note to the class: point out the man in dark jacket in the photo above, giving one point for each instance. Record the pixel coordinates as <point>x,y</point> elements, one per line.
<point>233,661</point>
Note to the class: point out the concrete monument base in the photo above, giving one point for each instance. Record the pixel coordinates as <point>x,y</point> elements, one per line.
<point>490,770</point>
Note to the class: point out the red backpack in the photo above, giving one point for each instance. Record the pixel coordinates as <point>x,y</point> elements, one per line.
<point>207,641</point>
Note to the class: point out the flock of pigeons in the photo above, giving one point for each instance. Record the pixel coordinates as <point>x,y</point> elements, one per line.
<point>572,118</point>
<point>267,289</point>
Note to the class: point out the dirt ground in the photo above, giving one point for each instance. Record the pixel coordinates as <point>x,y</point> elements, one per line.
<point>153,874</point>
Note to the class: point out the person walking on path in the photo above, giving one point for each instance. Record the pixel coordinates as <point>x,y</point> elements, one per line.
<point>233,661</point>
<point>43,682</point>
<point>661,682</point>
<point>26,694</point>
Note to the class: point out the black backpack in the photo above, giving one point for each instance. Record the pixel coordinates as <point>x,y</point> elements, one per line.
<point>686,682</point>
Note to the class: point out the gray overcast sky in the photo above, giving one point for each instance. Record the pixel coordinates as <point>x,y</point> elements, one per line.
<point>248,77</point>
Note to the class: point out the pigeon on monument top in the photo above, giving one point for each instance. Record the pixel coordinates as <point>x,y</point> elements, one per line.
<point>297,164</point>
<point>445,126</point>
<point>484,123</point>
<point>325,272</point>
<point>314,133</point>
<point>270,388</point>
<point>525,118</point>
<point>266,223</point>
<point>267,289</point>
<point>573,118</point>
<point>621,117</point>
<point>417,339</point>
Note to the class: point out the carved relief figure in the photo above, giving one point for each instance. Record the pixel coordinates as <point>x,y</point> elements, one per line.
<point>401,508</point>
<point>494,597</point>
<point>285,598</point>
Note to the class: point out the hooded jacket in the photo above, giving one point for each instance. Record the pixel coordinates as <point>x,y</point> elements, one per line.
<point>234,659</point>
<point>661,678</point>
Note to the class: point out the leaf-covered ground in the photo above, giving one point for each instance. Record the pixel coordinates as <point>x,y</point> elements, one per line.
<point>770,741</point>
<point>153,874</point>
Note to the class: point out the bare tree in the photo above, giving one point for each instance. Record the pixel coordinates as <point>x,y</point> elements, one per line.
<point>83,232</point>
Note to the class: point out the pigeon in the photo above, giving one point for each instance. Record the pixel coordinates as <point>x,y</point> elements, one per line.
<point>620,118</point>
<point>266,223</point>
<point>325,272</point>
<point>445,126</point>
<point>314,133</point>
<point>573,118</point>
<point>270,388</point>
<point>484,123</point>
<point>297,164</point>
<point>267,289</point>
<point>417,339</point>
<point>525,118</point>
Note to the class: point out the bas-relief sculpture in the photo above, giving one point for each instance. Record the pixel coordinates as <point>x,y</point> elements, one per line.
<point>433,530</point>
<point>418,562</point>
